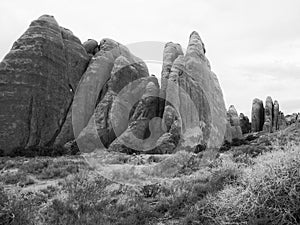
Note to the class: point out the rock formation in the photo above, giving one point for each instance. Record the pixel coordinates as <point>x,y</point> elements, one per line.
<point>282,123</point>
<point>191,109</point>
<point>275,116</point>
<point>269,114</point>
<point>257,115</point>
<point>38,79</point>
<point>110,70</point>
<point>234,121</point>
<point>245,124</point>
<point>293,118</point>
<point>55,89</point>
<point>268,119</point>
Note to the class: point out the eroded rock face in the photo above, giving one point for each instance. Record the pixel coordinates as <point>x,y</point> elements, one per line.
<point>245,124</point>
<point>269,114</point>
<point>234,121</point>
<point>257,115</point>
<point>110,70</point>
<point>191,109</point>
<point>275,115</point>
<point>38,78</point>
<point>282,123</point>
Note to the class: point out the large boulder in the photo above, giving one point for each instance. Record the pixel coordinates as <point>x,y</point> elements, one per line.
<point>269,114</point>
<point>257,115</point>
<point>38,78</point>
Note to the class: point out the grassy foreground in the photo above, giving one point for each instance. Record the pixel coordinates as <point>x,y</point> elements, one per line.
<point>257,182</point>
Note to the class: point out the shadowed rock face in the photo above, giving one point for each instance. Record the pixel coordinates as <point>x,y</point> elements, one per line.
<point>257,115</point>
<point>245,124</point>
<point>38,78</point>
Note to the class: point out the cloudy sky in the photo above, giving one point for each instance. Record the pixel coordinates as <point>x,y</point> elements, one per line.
<point>253,45</point>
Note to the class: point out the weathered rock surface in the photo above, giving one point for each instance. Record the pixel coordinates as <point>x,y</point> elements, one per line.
<point>38,78</point>
<point>282,123</point>
<point>275,115</point>
<point>234,121</point>
<point>91,46</point>
<point>257,115</point>
<point>110,70</point>
<point>245,124</point>
<point>290,119</point>
<point>269,113</point>
<point>192,111</point>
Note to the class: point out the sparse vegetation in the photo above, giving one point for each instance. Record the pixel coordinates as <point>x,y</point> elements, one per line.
<point>254,183</point>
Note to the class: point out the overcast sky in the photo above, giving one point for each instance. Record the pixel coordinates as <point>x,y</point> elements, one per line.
<point>253,46</point>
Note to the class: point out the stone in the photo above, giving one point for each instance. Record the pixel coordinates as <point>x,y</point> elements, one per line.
<point>275,115</point>
<point>111,69</point>
<point>38,79</point>
<point>269,110</point>
<point>282,123</point>
<point>144,125</point>
<point>257,115</point>
<point>245,124</point>
<point>91,46</point>
<point>234,121</point>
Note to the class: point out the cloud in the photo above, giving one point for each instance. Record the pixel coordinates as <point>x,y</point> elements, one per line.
<point>253,45</point>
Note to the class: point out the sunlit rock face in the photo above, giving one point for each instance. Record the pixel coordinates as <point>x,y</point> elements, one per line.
<point>38,78</point>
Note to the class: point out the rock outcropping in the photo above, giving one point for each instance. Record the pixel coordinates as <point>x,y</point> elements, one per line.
<point>234,121</point>
<point>55,89</point>
<point>191,108</point>
<point>245,124</point>
<point>257,115</point>
<point>38,79</point>
<point>268,118</point>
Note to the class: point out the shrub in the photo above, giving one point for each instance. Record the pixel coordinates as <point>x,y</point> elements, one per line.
<point>268,193</point>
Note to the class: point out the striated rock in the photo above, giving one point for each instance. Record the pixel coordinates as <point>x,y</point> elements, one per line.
<point>269,111</point>
<point>257,115</point>
<point>234,121</point>
<point>245,124</point>
<point>38,78</point>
